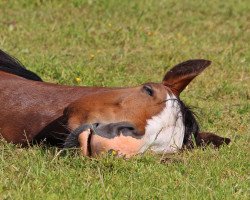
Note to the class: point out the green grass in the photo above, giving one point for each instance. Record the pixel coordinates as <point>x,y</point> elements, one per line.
<point>125,43</point>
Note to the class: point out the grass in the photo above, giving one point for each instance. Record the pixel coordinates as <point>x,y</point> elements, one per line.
<point>125,43</point>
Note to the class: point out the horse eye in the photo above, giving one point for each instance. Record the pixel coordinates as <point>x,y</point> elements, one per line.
<point>148,90</point>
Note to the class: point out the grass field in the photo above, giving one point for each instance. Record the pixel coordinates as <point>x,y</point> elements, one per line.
<point>125,43</point>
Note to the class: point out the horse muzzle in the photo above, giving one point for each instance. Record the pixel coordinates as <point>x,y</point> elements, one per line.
<point>96,139</point>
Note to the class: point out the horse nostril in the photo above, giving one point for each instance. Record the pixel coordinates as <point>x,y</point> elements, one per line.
<point>96,125</point>
<point>125,129</point>
<point>121,127</point>
<point>115,129</point>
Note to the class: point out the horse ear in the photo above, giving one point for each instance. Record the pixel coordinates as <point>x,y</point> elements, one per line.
<point>182,74</point>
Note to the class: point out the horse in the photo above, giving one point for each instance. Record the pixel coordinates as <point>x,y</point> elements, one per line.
<point>128,120</point>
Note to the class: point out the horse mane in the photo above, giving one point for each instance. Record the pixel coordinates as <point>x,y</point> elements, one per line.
<point>12,65</point>
<point>191,125</point>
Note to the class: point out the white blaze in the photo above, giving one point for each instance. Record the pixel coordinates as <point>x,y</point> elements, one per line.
<point>165,132</point>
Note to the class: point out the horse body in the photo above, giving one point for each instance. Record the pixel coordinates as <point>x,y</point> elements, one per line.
<point>128,119</point>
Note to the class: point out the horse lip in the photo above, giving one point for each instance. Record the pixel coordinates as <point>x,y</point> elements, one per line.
<point>89,149</point>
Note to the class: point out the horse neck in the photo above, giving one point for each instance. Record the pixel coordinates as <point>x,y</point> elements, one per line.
<point>64,95</point>
<point>42,96</point>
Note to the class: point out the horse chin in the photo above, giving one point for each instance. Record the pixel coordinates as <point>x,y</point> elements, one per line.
<point>121,145</point>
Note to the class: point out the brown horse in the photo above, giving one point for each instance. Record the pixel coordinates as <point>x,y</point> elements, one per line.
<point>129,120</point>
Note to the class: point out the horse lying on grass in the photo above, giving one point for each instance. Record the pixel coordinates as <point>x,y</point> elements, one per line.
<point>129,120</point>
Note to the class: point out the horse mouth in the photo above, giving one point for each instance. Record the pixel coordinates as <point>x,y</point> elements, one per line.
<point>119,138</point>
<point>89,149</point>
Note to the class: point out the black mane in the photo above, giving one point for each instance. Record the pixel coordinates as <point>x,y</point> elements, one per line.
<point>190,123</point>
<point>12,65</point>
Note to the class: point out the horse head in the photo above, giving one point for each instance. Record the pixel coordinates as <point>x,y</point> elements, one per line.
<point>134,119</point>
